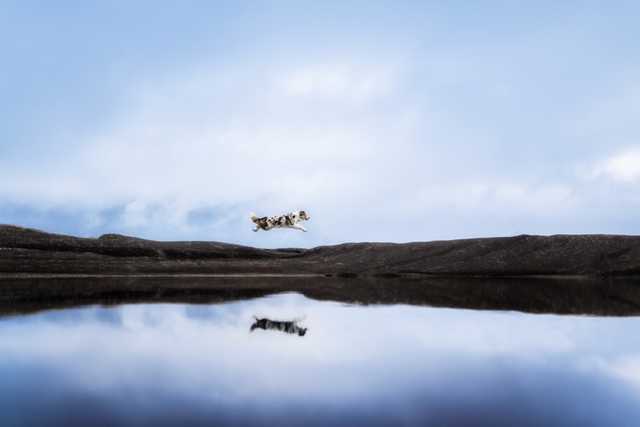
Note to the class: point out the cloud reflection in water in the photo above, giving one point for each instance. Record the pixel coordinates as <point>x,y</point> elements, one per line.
<point>167,364</point>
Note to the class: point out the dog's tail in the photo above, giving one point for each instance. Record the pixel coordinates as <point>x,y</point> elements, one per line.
<point>254,218</point>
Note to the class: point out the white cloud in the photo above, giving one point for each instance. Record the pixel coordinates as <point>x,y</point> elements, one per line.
<point>339,82</point>
<point>496,197</point>
<point>623,167</point>
<point>210,138</point>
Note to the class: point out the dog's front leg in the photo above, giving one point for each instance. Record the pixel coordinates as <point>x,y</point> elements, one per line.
<point>299,227</point>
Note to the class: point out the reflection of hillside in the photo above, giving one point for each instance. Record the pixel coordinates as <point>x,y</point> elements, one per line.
<point>600,297</point>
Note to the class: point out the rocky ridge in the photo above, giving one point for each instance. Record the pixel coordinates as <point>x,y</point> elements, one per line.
<point>30,251</point>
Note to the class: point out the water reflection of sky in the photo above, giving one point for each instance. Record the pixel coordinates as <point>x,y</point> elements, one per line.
<point>198,365</point>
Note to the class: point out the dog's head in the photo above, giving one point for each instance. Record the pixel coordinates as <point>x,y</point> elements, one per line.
<point>303,215</point>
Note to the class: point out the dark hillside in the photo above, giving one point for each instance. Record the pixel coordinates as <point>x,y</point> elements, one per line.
<point>24,250</point>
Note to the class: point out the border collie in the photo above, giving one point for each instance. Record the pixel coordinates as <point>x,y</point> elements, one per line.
<point>289,220</point>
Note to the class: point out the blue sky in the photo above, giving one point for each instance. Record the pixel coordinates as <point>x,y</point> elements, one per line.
<point>385,121</point>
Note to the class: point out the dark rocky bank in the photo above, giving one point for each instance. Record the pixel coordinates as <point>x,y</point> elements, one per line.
<point>29,251</point>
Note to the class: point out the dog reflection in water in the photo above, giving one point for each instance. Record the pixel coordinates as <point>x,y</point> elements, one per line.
<point>288,327</point>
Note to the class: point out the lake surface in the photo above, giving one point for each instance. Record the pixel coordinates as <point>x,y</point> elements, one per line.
<point>193,365</point>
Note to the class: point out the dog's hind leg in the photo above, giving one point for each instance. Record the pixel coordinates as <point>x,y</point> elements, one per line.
<point>256,228</point>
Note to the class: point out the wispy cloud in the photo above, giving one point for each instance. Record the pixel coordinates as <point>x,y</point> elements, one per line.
<point>497,197</point>
<point>623,167</point>
<point>340,81</point>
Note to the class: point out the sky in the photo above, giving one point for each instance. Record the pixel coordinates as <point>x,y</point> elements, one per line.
<point>384,120</point>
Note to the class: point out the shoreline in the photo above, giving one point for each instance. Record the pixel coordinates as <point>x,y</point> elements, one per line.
<point>617,297</point>
<point>564,274</point>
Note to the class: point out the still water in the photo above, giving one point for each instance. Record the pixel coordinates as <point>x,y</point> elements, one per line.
<point>192,365</point>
